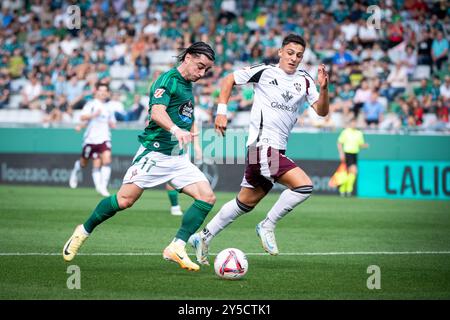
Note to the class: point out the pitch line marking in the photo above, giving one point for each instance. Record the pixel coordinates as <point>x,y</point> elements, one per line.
<point>349,253</point>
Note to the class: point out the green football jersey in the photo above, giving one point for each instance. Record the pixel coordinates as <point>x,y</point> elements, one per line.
<point>174,92</point>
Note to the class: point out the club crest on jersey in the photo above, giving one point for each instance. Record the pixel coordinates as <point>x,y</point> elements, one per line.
<point>159,93</point>
<point>185,112</point>
<point>298,87</point>
<point>287,96</point>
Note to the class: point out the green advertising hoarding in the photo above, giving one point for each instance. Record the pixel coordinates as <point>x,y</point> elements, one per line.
<point>404,179</point>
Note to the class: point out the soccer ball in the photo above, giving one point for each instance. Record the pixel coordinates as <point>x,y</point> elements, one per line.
<point>231,264</point>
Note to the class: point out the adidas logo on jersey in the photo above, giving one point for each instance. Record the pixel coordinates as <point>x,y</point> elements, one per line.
<point>274,81</point>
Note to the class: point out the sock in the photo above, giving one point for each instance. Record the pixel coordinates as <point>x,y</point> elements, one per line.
<point>105,209</point>
<point>226,215</point>
<point>343,186</point>
<point>77,166</point>
<point>193,219</point>
<point>106,174</point>
<point>287,201</point>
<point>350,182</point>
<point>97,177</point>
<point>179,241</point>
<point>173,197</point>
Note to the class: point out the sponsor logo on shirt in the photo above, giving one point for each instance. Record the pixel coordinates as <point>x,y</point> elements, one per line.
<point>281,106</point>
<point>159,93</point>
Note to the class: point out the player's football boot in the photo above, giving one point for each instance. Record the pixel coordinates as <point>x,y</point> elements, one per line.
<point>177,253</point>
<point>74,243</point>
<point>201,248</point>
<point>176,211</point>
<point>267,239</point>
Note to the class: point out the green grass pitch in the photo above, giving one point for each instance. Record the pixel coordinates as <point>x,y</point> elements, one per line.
<point>326,245</point>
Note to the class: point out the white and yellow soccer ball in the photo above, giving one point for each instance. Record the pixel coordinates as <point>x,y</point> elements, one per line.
<point>231,264</point>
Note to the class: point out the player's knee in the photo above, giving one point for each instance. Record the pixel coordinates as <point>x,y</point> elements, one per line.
<point>208,197</point>
<point>125,202</point>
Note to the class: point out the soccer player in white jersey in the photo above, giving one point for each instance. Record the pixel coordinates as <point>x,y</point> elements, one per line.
<point>280,91</point>
<point>96,141</point>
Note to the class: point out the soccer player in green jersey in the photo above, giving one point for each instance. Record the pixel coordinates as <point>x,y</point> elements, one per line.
<point>162,157</point>
<point>350,142</point>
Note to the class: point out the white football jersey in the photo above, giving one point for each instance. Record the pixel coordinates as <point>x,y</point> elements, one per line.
<point>97,130</point>
<point>279,99</point>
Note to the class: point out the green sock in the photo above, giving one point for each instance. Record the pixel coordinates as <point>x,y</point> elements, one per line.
<point>193,219</point>
<point>173,197</point>
<point>350,182</point>
<point>104,210</point>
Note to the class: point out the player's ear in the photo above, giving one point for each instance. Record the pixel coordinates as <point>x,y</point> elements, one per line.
<point>279,52</point>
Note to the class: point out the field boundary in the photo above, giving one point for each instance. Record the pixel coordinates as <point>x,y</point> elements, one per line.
<point>343,253</point>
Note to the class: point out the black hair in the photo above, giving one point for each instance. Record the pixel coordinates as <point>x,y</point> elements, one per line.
<point>197,49</point>
<point>294,38</point>
<point>101,84</point>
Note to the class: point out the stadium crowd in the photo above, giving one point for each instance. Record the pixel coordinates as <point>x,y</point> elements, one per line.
<point>392,73</point>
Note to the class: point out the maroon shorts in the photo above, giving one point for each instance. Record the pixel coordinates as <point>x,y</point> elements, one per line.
<point>264,165</point>
<point>93,151</point>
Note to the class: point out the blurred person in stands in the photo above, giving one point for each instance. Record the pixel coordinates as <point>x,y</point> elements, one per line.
<point>31,93</point>
<point>350,142</point>
<point>373,110</point>
<point>439,51</point>
<point>96,141</point>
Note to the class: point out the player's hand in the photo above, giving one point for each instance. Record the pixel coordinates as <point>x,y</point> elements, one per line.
<point>184,137</point>
<point>322,77</point>
<point>221,124</point>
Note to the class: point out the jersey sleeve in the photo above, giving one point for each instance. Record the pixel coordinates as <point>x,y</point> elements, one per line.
<point>312,95</point>
<point>161,91</point>
<point>88,109</point>
<point>249,74</point>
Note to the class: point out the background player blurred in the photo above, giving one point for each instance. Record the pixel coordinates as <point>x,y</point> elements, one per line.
<point>96,141</point>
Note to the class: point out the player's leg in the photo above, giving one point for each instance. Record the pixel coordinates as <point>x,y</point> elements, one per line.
<point>352,172</point>
<point>77,167</point>
<point>173,198</point>
<point>191,181</point>
<point>105,169</point>
<point>105,209</point>
<point>299,188</point>
<point>97,176</point>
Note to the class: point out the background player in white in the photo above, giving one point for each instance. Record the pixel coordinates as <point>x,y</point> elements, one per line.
<point>280,91</point>
<point>96,141</point>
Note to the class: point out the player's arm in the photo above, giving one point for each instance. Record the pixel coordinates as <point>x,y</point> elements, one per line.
<point>224,96</point>
<point>162,119</point>
<point>322,105</point>
<point>198,153</point>
<point>341,152</point>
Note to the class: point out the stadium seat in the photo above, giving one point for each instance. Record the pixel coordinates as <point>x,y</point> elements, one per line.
<point>422,71</point>
<point>162,57</point>
<point>14,101</point>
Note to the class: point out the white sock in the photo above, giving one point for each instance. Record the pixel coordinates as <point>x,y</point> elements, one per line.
<point>77,166</point>
<point>97,177</point>
<point>179,241</point>
<point>106,174</point>
<point>84,230</point>
<point>287,201</point>
<point>226,215</point>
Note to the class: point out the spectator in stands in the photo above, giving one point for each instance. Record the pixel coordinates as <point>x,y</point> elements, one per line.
<point>373,110</point>
<point>409,59</point>
<point>439,51</point>
<point>444,90</point>
<point>342,57</point>
<point>5,90</point>
<point>31,93</point>
<point>397,81</point>
<point>362,95</point>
